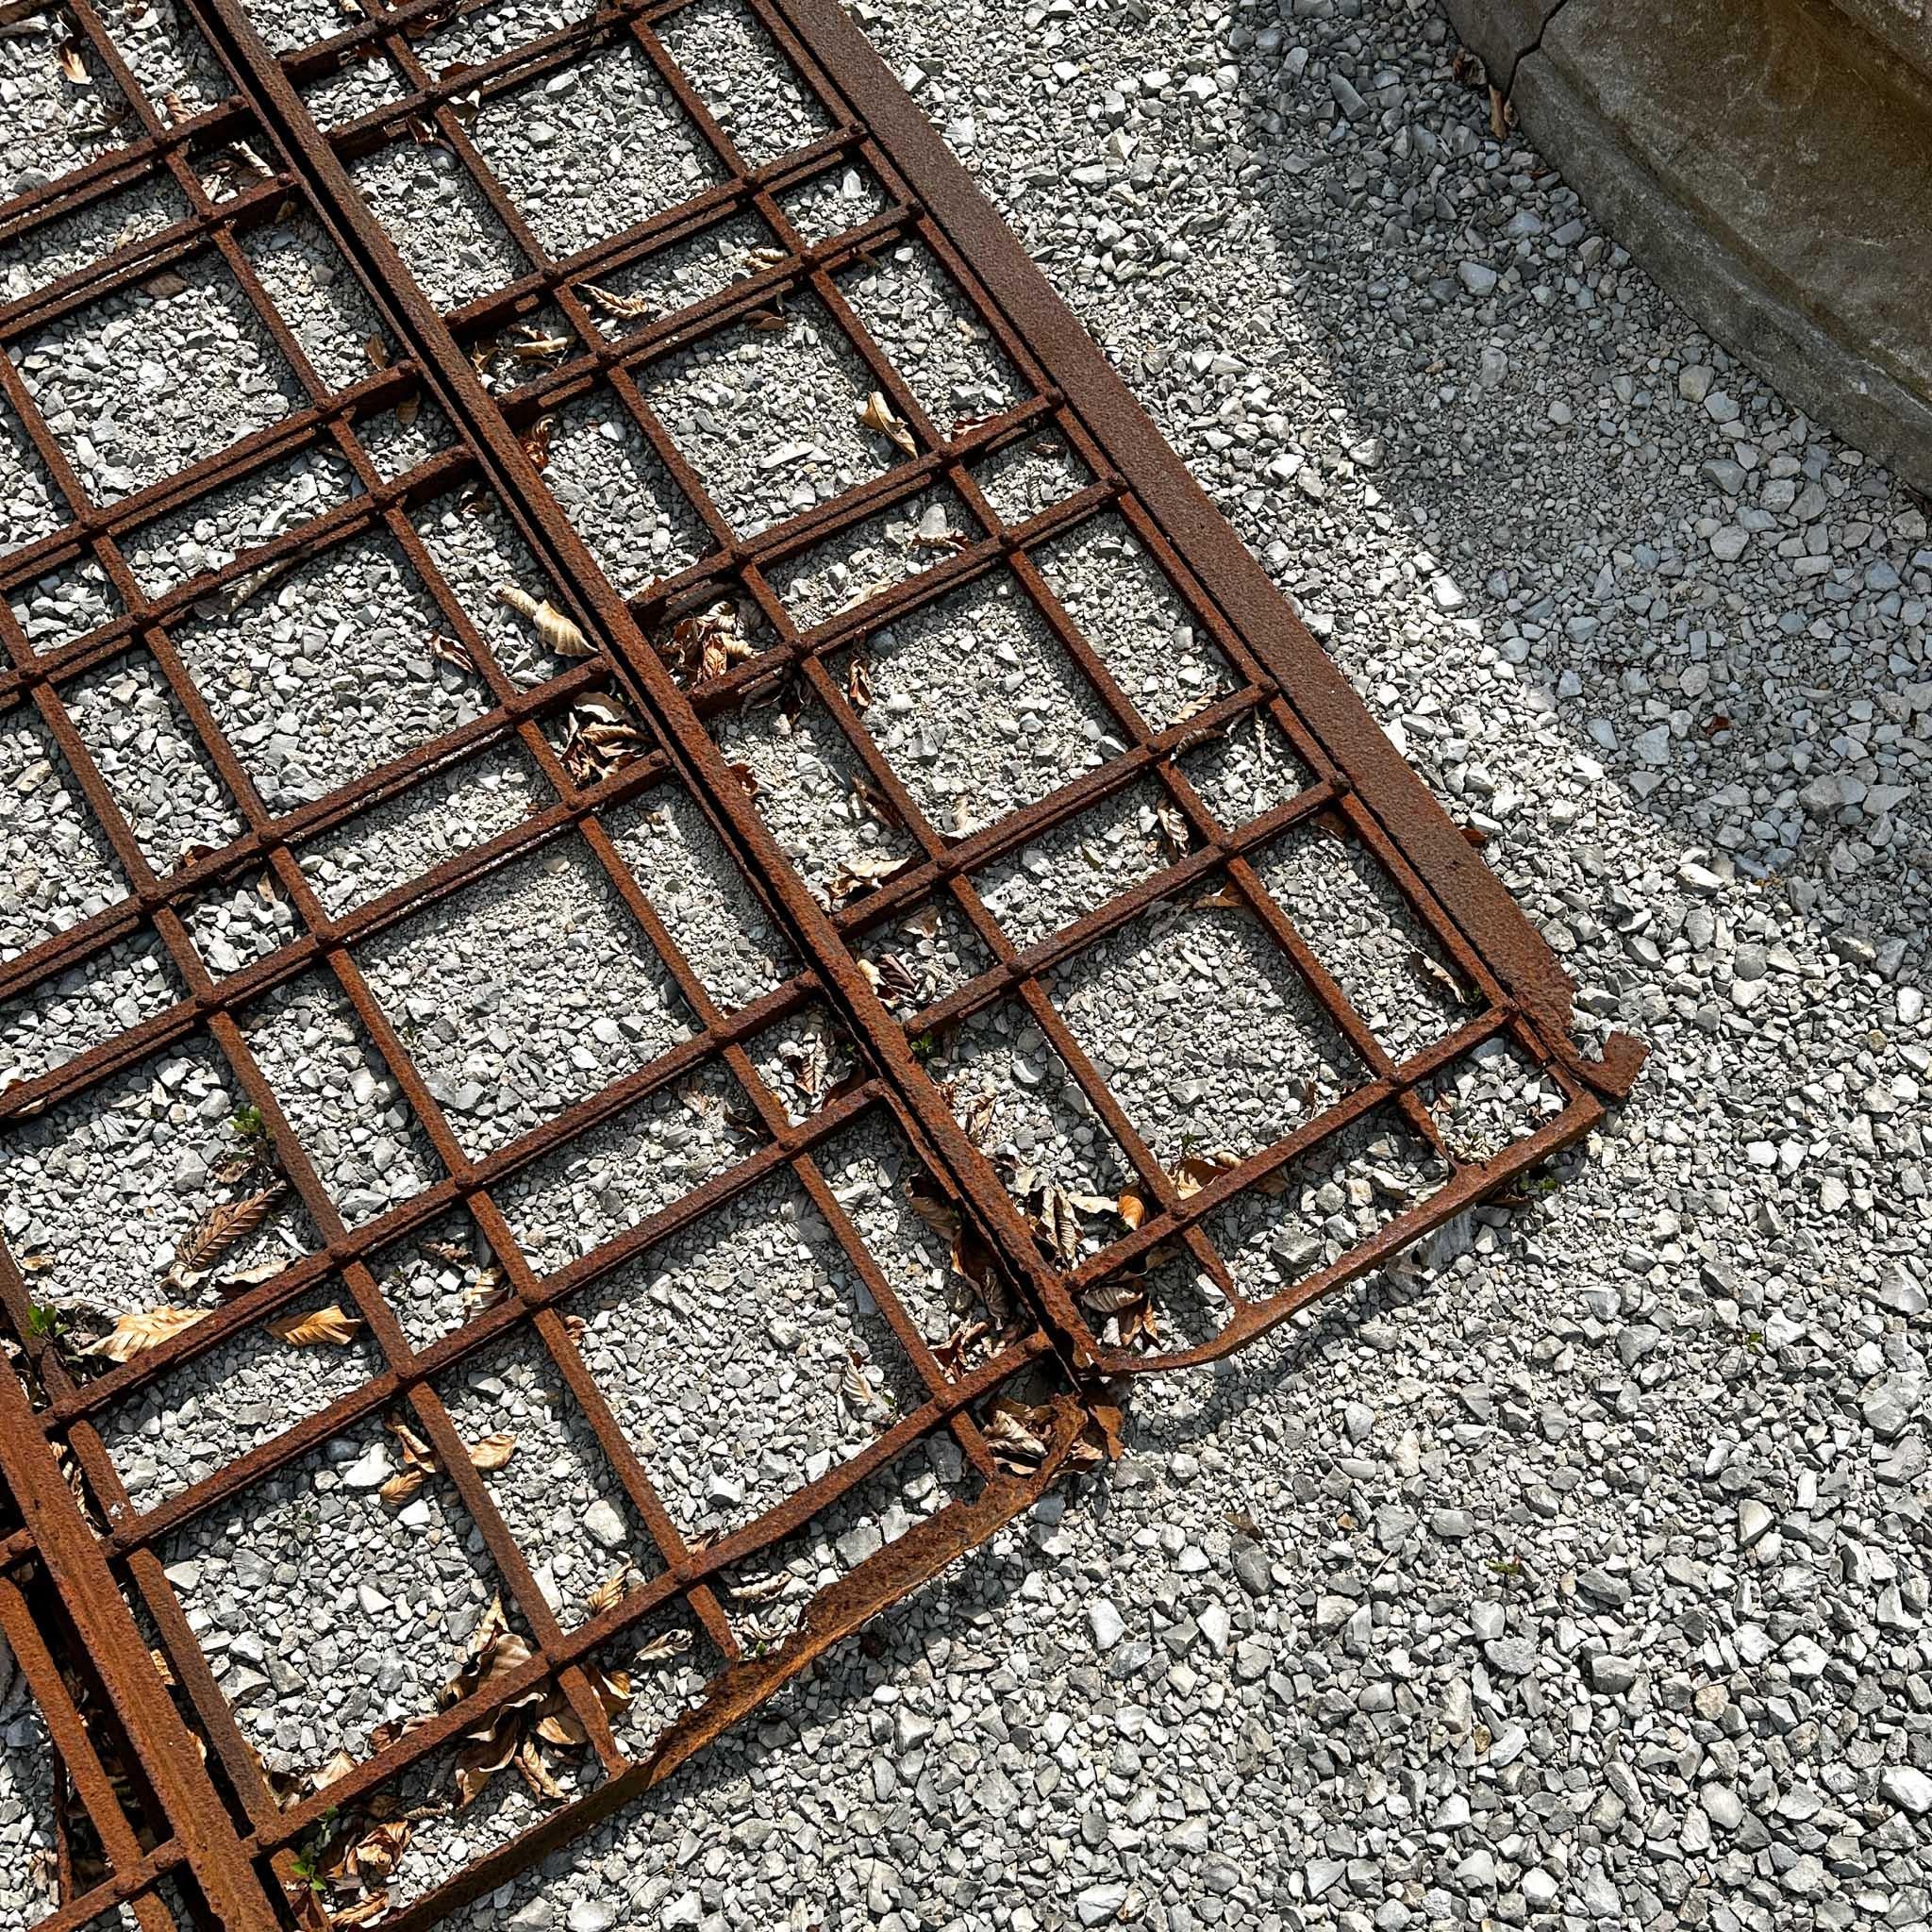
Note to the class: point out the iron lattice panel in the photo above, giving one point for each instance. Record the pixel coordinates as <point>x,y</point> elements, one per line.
<point>451,411</point>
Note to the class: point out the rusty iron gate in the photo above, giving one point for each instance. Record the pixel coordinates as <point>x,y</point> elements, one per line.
<point>1043,531</point>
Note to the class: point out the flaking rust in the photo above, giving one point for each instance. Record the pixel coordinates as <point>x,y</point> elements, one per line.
<point>1053,1304</point>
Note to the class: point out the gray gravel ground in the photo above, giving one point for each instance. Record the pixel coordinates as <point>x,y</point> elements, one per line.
<point>325,1612</point>
<point>142,384</point>
<point>1571,1574</point>
<point>27,1867</point>
<point>528,991</point>
<point>1575,1574</point>
<point>326,671</point>
<point>71,242</point>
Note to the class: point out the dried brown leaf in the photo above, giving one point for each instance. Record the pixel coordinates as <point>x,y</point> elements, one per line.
<point>760,1589</point>
<point>493,1452</point>
<point>861,874</point>
<point>1174,827</point>
<point>560,1725</point>
<point>551,624</point>
<point>855,1387</point>
<point>664,1646</point>
<point>73,65</point>
<point>489,1288</point>
<point>1194,1171</point>
<point>613,1690</point>
<point>403,1485</point>
<point>611,1592</point>
<point>333,1323</point>
<point>136,1334</point>
<point>1131,1209</point>
<point>1016,1443</point>
<point>451,650</point>
<point>536,1773</point>
<point>374,1856</point>
<point>622,308</point>
<point>220,1228</point>
<point>875,412</point>
<point>874,802</point>
<point>1056,1221</point>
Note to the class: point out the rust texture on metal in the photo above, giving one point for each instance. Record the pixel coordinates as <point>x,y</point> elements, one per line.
<point>174,1815</point>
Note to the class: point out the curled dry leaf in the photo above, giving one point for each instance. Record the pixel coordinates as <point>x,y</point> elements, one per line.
<point>551,624</point>
<point>136,1334</point>
<point>603,738</point>
<point>612,1590</point>
<point>620,308</point>
<point>809,1063</point>
<point>1431,972</point>
<point>493,1452</point>
<point>1126,1304</point>
<point>956,1351</point>
<point>1056,1221</point>
<point>1131,1209</point>
<point>537,442</point>
<point>220,1228</point>
<point>1194,1171</point>
<point>374,1856</point>
<point>859,691</point>
<point>535,1773</point>
<point>74,64</point>
<point>970,1258</point>
<point>489,1288</point>
<point>861,874</point>
<point>1222,898</point>
<point>760,1589</point>
<point>333,1323</point>
<point>1013,1432</point>
<point>855,1388</point>
<point>1174,827</point>
<point>706,643</point>
<point>876,413</point>
<point>664,1646</point>
<point>976,1114</point>
<point>874,802</point>
<point>451,650</point>
<point>613,1690</point>
<point>420,1463</point>
<point>532,347</point>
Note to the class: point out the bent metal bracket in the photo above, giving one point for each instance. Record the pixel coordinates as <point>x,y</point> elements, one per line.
<point>170,1810</point>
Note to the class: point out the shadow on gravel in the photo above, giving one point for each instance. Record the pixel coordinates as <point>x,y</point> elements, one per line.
<point>1484,390</point>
